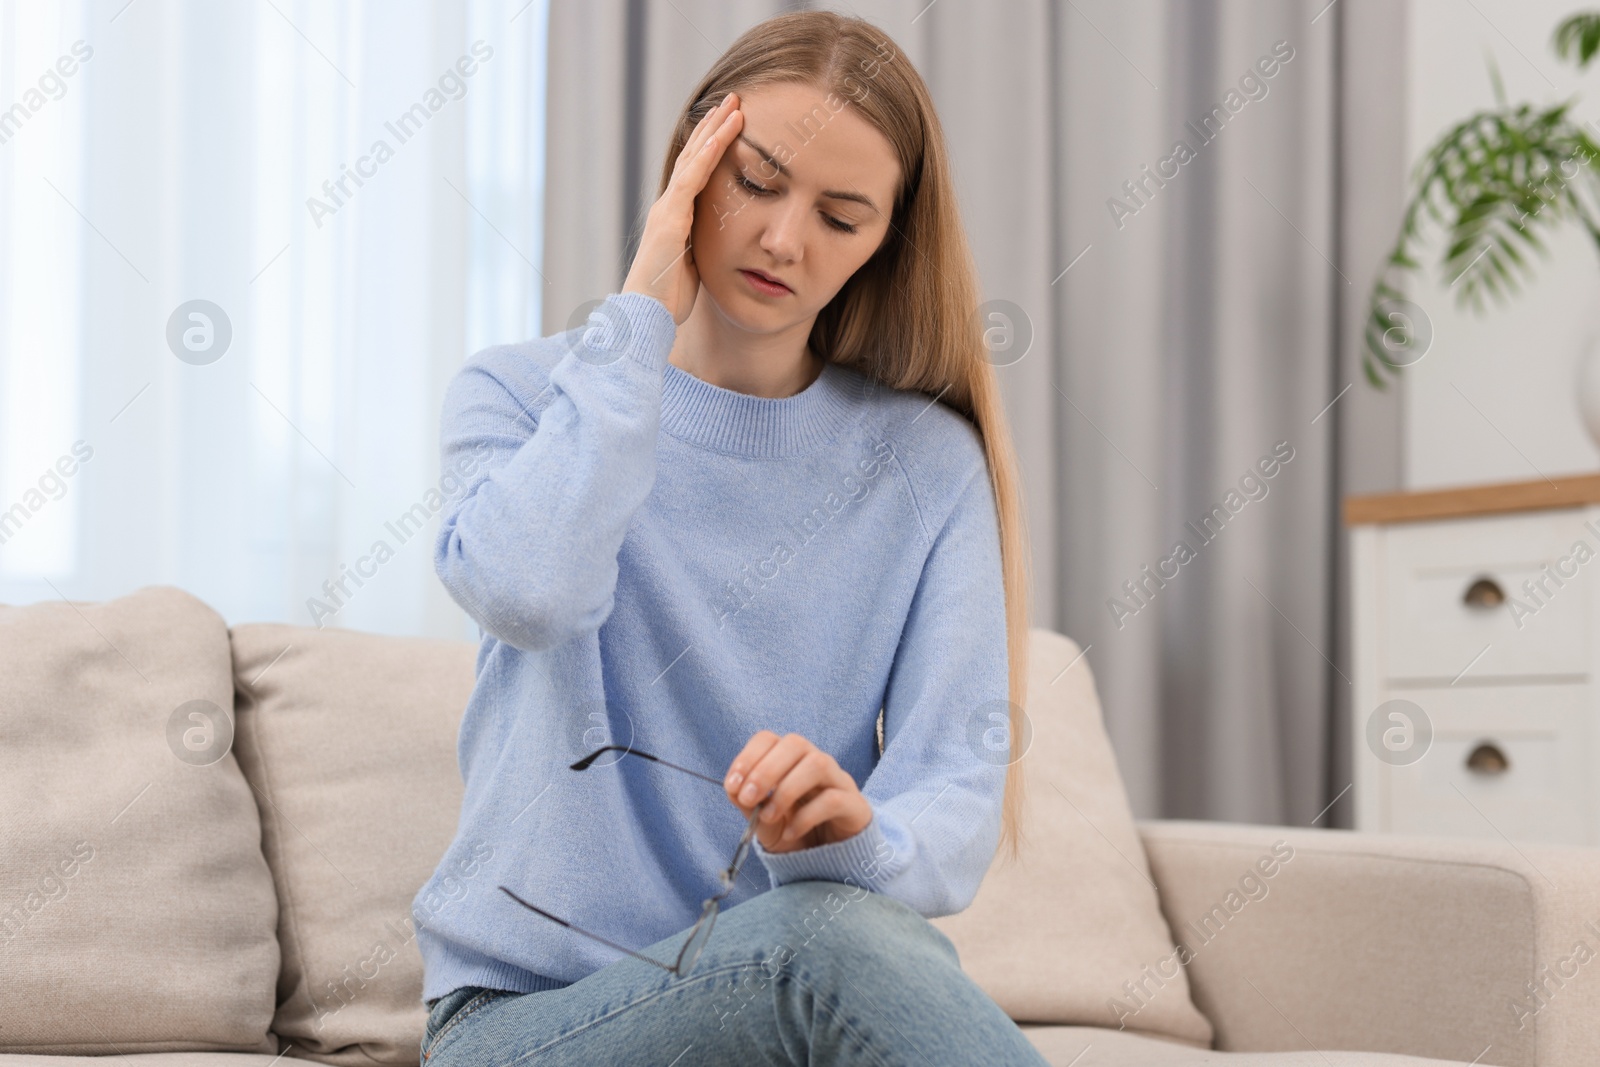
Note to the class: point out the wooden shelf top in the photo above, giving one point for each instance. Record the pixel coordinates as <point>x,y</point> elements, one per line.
<point>1567,491</point>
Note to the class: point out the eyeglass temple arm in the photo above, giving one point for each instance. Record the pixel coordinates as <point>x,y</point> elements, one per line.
<point>584,763</point>
<point>586,933</point>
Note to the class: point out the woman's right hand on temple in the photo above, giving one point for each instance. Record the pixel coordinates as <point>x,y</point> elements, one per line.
<point>663,267</point>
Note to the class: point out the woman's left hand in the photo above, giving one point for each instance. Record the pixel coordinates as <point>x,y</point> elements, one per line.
<point>814,801</point>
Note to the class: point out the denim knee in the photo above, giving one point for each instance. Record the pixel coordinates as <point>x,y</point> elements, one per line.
<point>870,931</point>
<point>835,941</point>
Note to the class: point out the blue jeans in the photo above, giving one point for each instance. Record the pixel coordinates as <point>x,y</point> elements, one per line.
<point>808,972</point>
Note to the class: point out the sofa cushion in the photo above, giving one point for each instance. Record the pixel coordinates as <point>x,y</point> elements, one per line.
<point>1054,935</point>
<point>350,741</point>
<point>137,913</point>
<point>1085,1046</point>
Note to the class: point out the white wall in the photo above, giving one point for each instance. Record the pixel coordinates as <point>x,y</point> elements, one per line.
<point>1494,399</point>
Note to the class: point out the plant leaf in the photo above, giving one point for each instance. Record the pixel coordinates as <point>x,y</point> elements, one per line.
<point>1579,34</point>
<point>1493,183</point>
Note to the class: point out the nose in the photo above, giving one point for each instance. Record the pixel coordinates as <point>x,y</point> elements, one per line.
<point>782,238</point>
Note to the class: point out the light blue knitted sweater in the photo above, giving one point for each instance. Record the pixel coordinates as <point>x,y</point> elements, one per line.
<point>658,562</point>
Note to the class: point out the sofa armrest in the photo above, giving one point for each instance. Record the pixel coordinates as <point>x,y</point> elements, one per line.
<point>1442,947</point>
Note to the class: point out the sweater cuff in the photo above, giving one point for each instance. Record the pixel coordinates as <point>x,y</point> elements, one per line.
<point>633,324</point>
<point>861,860</point>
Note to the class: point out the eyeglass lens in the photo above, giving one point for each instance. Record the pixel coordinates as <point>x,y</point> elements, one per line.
<point>697,938</point>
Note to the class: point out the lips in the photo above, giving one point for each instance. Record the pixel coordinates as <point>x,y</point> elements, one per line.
<point>768,277</point>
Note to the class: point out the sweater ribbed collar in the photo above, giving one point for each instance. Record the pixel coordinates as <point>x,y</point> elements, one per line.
<point>696,411</point>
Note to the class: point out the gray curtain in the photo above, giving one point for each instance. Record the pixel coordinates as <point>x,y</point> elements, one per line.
<point>1174,341</point>
<point>1192,340</point>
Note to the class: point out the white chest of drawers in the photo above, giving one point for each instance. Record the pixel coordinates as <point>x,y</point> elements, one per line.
<point>1475,709</point>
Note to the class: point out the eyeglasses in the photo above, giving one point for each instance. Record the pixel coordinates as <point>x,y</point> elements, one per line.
<point>700,932</point>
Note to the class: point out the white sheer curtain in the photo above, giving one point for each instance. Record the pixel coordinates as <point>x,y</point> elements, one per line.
<point>355,191</point>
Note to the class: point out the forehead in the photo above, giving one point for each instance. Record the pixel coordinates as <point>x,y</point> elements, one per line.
<point>821,140</point>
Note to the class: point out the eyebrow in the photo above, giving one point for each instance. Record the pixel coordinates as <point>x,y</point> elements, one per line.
<point>860,198</point>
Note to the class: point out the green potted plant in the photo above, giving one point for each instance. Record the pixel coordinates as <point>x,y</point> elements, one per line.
<point>1493,182</point>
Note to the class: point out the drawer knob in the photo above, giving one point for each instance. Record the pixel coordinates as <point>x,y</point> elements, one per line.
<point>1484,593</point>
<point>1488,758</point>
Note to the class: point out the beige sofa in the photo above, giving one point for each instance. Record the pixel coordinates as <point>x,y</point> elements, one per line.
<point>210,840</point>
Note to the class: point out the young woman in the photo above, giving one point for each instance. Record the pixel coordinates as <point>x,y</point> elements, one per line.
<point>764,497</point>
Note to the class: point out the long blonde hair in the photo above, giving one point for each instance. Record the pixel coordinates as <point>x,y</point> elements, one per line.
<point>909,316</point>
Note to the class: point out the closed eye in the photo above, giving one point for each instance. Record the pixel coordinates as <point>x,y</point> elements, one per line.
<point>750,185</point>
<point>759,190</point>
